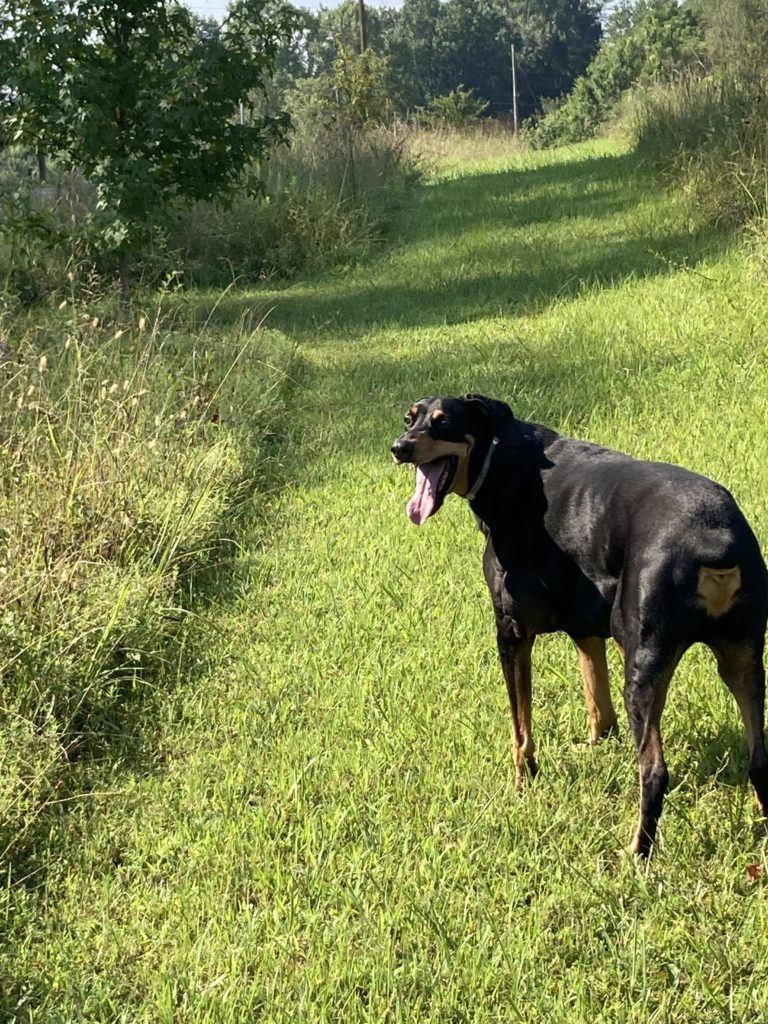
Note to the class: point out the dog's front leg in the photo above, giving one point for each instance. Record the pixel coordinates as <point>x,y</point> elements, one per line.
<point>515,655</point>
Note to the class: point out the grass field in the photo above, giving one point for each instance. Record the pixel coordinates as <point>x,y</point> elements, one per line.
<point>323,825</point>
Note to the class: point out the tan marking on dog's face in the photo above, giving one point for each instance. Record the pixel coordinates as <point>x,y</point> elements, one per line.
<point>717,589</point>
<point>437,415</point>
<point>414,410</point>
<point>461,482</point>
<point>427,449</point>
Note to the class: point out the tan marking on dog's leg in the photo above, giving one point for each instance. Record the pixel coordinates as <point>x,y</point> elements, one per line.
<point>717,589</point>
<point>597,689</point>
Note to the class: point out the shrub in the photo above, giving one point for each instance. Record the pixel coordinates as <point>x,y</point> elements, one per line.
<point>324,201</point>
<point>456,109</point>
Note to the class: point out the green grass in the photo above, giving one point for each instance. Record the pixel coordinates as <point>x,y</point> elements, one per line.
<point>321,823</point>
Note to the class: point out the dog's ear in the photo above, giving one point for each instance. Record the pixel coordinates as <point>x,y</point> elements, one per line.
<point>500,417</point>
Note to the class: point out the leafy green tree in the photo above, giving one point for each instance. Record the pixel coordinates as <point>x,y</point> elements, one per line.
<point>555,40</point>
<point>338,29</point>
<point>415,54</point>
<point>470,38</point>
<point>435,46</point>
<point>154,110</point>
<point>361,80</point>
<point>648,40</point>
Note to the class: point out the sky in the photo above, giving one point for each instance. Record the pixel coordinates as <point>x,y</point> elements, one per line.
<point>217,8</point>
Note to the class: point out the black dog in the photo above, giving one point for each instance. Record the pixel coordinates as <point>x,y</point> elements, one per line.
<point>596,544</point>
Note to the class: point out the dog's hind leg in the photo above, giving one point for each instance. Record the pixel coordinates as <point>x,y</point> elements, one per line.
<point>648,671</point>
<point>741,669</point>
<point>515,656</point>
<point>597,687</point>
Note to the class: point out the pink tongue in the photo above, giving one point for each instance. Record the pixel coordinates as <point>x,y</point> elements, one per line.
<point>422,504</point>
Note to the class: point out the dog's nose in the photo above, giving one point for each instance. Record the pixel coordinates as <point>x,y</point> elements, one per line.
<point>402,449</point>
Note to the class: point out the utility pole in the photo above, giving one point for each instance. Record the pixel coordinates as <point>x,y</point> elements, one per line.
<point>514,90</point>
<point>361,20</point>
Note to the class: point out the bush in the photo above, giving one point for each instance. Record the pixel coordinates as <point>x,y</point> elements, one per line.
<point>325,201</point>
<point>459,108</point>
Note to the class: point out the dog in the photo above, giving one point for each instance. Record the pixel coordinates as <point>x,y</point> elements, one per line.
<point>596,544</point>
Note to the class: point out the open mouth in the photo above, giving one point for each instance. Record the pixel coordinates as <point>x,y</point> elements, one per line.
<point>433,481</point>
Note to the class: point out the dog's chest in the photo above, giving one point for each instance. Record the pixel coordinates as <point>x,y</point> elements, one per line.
<point>535,592</point>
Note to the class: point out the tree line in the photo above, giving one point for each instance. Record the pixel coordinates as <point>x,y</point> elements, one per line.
<point>157,108</point>
<point>434,46</point>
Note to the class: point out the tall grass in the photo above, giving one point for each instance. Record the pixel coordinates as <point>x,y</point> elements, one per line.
<point>125,456</point>
<point>324,201</point>
<point>451,148</point>
<point>711,135</point>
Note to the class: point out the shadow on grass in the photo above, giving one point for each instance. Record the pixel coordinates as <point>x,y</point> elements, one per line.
<point>464,226</point>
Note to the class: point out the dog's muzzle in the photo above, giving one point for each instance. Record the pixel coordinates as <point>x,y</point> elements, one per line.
<point>402,450</point>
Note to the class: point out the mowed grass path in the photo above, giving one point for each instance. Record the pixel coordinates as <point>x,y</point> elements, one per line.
<point>326,828</point>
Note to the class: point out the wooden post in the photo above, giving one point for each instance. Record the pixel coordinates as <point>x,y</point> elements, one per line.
<point>514,90</point>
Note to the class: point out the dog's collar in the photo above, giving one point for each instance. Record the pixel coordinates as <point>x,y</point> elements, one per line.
<point>473,491</point>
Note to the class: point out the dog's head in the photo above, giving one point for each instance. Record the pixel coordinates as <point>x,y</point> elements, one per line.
<point>447,440</point>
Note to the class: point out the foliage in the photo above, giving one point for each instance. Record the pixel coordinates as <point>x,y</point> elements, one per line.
<point>711,137</point>
<point>708,131</point>
<point>458,108</point>
<point>471,41</point>
<point>735,34</point>
<point>326,201</point>
<point>434,46</point>
<point>650,40</point>
<point>361,81</point>
<point>142,100</point>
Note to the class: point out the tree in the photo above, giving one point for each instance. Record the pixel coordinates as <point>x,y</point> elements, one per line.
<point>436,46</point>
<point>415,56</point>
<point>153,109</point>
<point>646,41</point>
<point>555,40</point>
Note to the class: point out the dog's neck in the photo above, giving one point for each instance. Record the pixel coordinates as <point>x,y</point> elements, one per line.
<point>483,473</point>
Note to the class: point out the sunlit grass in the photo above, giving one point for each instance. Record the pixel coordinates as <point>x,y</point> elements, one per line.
<point>324,826</point>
